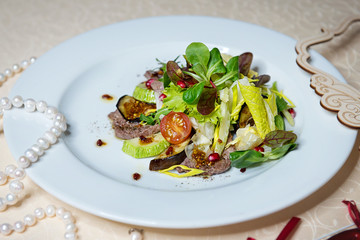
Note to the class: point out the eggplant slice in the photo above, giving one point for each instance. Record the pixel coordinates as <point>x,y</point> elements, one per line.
<point>245,117</point>
<point>131,109</point>
<point>175,154</point>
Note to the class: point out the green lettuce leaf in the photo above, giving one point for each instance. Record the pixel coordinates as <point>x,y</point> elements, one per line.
<point>255,102</point>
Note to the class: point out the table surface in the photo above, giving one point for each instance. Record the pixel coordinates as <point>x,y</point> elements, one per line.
<point>31,28</point>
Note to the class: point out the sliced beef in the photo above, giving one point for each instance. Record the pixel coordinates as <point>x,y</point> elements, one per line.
<point>153,74</point>
<point>157,86</point>
<point>218,167</point>
<point>127,130</point>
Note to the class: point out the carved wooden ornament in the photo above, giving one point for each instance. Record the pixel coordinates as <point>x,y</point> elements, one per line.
<point>335,95</point>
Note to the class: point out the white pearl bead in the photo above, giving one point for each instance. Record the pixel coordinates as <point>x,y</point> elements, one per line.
<point>5,103</point>
<point>60,124</point>
<point>60,117</point>
<point>16,186</point>
<point>10,169</point>
<point>39,213</point>
<point>70,235</point>
<point>8,73</point>
<point>24,64</point>
<point>2,78</point>
<point>30,105</point>
<point>50,137</point>
<point>70,227</point>
<point>19,226</point>
<point>60,212</point>
<point>6,229</point>
<point>56,131</point>
<point>67,218</point>
<point>37,149</point>
<point>16,68</point>
<point>23,162</point>
<point>11,199</point>
<point>32,60</point>
<point>43,143</point>
<point>50,211</point>
<point>31,155</point>
<point>50,112</point>
<point>18,101</point>
<point>41,106</point>
<point>2,204</point>
<point>19,174</point>
<point>136,235</point>
<point>3,178</point>
<point>29,220</point>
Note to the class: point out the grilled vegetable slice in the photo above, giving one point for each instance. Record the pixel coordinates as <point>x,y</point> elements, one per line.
<point>173,155</point>
<point>131,109</point>
<point>245,117</point>
<point>148,146</point>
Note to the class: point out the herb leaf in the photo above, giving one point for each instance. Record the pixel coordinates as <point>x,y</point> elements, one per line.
<point>206,102</point>
<point>244,159</point>
<point>281,104</point>
<point>149,120</point>
<point>198,55</point>
<point>216,63</point>
<point>279,122</point>
<point>197,52</point>
<point>245,61</point>
<point>262,80</point>
<point>232,71</point>
<point>280,151</point>
<point>174,71</point>
<point>192,95</point>
<point>249,158</point>
<point>279,138</point>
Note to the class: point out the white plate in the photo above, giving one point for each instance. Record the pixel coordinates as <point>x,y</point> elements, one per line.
<point>111,60</point>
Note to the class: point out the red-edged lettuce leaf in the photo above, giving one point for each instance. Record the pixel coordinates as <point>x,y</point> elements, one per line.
<point>279,138</point>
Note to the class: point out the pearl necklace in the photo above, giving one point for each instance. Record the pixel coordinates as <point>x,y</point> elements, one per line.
<point>13,175</point>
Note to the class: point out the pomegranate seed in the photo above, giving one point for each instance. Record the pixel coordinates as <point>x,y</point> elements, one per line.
<point>181,84</point>
<point>149,82</point>
<point>292,112</point>
<point>242,170</point>
<point>259,149</point>
<point>214,157</point>
<point>162,96</point>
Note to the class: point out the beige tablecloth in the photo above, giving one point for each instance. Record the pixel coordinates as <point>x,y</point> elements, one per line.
<point>31,28</point>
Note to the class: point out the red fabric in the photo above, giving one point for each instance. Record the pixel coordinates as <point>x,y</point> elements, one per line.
<point>353,211</point>
<point>288,228</point>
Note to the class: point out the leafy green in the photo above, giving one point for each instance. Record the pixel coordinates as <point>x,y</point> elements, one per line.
<point>279,152</point>
<point>192,94</point>
<point>279,138</point>
<point>232,71</point>
<point>279,122</point>
<point>199,53</point>
<point>206,102</point>
<point>250,158</point>
<point>244,159</point>
<point>254,100</point>
<point>149,120</point>
<point>165,79</point>
<point>216,63</point>
<point>174,98</point>
<point>281,104</point>
<point>245,61</point>
<point>174,72</point>
<point>154,118</point>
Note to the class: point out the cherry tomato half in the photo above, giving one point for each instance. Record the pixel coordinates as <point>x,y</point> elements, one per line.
<point>175,127</point>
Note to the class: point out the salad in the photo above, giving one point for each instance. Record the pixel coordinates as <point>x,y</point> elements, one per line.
<point>204,117</point>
